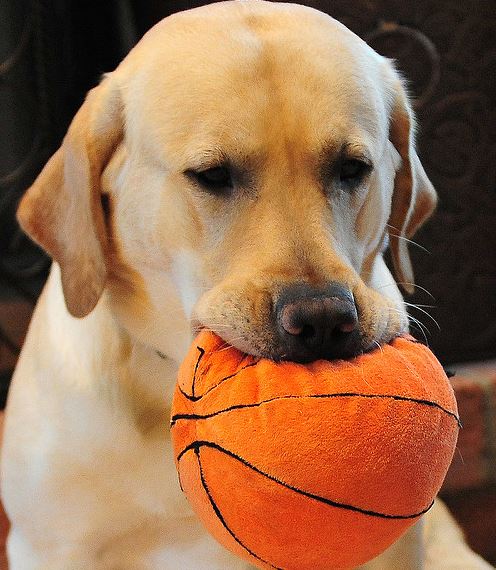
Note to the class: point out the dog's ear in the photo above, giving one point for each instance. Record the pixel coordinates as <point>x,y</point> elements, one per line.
<point>414,197</point>
<point>62,210</point>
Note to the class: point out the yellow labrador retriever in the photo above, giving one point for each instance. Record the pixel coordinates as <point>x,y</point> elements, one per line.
<point>243,169</point>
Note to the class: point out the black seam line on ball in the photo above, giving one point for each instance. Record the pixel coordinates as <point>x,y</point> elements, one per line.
<point>192,396</point>
<point>175,418</point>
<point>201,443</point>
<point>200,356</point>
<point>218,513</point>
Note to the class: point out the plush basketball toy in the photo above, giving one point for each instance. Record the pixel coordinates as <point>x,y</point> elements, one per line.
<point>316,466</point>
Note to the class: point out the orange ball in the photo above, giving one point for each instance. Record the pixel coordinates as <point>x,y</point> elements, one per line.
<point>316,466</point>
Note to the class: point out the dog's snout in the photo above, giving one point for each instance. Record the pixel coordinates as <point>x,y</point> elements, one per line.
<point>317,323</point>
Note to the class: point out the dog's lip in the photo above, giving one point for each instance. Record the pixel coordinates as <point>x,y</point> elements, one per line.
<point>196,326</point>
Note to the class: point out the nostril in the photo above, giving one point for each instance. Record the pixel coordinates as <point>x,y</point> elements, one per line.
<point>307,332</point>
<point>347,327</point>
<point>290,318</point>
<point>301,318</point>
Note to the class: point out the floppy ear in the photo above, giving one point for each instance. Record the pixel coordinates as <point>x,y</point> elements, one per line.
<point>414,197</point>
<point>62,210</point>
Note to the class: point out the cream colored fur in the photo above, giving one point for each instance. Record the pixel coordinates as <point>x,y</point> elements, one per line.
<point>88,477</point>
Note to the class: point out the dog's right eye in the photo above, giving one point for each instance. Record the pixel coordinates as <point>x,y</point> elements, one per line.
<point>217,179</point>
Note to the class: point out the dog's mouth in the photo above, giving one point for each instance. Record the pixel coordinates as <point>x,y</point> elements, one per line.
<point>304,352</point>
<point>302,324</point>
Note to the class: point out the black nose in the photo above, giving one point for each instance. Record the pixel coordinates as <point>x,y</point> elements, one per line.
<point>316,323</point>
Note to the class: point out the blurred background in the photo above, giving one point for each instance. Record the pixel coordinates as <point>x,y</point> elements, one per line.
<point>53,51</point>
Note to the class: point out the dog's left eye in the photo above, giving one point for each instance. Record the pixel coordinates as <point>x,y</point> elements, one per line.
<point>217,179</point>
<point>352,171</point>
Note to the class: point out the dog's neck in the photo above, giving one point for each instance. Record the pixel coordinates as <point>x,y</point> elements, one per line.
<point>112,364</point>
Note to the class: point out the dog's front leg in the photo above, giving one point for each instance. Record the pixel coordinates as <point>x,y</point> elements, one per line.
<point>405,554</point>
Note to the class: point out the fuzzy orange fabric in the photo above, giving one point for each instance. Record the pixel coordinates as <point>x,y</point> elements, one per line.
<point>316,466</point>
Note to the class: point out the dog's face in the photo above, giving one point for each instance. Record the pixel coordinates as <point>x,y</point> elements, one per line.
<point>254,158</point>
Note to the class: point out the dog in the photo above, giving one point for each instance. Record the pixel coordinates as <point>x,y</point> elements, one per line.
<point>243,169</point>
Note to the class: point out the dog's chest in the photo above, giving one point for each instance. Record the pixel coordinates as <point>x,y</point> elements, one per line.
<point>135,450</point>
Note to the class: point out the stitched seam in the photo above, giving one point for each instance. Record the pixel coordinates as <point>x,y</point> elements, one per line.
<point>192,397</point>
<point>178,417</point>
<point>202,443</point>
<point>219,515</point>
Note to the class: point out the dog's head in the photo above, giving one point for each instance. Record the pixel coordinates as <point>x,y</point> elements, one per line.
<point>243,169</point>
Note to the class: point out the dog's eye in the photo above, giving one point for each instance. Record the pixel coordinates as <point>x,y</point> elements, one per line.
<point>217,179</point>
<point>352,171</point>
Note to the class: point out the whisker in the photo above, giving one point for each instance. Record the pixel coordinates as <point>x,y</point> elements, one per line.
<point>419,305</point>
<point>411,319</point>
<point>379,346</point>
<point>397,235</point>
<point>421,328</point>
<point>417,287</point>
<point>425,313</point>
